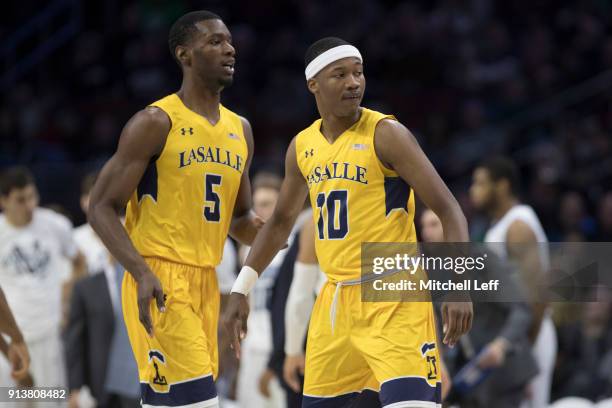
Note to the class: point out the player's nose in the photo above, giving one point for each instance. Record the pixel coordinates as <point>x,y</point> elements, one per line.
<point>229,49</point>
<point>353,83</point>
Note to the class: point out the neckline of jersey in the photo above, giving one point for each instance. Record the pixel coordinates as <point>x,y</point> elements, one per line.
<point>362,112</point>
<point>204,118</point>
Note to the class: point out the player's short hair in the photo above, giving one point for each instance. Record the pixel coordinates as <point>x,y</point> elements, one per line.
<point>502,168</point>
<point>88,182</point>
<point>320,46</point>
<point>266,179</point>
<point>15,178</point>
<point>184,28</point>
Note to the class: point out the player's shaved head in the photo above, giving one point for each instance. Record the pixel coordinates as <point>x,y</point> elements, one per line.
<point>183,29</point>
<point>502,168</point>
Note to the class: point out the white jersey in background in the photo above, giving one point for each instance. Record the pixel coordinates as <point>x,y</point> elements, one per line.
<point>33,266</point>
<point>499,231</point>
<point>35,260</point>
<point>545,347</point>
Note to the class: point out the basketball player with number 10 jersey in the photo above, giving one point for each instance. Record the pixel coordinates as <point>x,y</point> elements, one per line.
<point>359,168</point>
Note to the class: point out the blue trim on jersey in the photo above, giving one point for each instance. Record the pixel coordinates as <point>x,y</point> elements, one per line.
<point>364,399</point>
<point>397,193</point>
<point>148,182</point>
<point>185,393</point>
<point>409,389</point>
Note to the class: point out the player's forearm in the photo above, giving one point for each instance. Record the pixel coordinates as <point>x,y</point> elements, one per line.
<point>243,229</point>
<point>270,239</point>
<point>454,223</point>
<point>8,325</point>
<point>106,222</point>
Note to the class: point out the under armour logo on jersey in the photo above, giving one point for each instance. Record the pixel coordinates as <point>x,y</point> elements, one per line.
<point>184,131</point>
<point>233,136</point>
<point>309,153</point>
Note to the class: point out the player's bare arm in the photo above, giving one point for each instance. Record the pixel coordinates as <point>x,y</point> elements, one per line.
<point>522,246</point>
<point>270,239</point>
<point>245,224</point>
<point>16,351</point>
<point>141,141</point>
<point>399,150</point>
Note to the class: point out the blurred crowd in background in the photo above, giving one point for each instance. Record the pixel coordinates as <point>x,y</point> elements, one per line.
<point>471,79</point>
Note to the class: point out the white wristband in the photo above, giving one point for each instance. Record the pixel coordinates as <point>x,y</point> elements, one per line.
<point>245,281</point>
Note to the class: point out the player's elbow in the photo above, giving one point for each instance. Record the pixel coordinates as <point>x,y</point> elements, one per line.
<point>95,213</point>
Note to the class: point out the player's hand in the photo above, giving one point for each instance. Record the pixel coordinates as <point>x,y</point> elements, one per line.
<point>26,382</point>
<point>494,354</point>
<point>235,319</point>
<point>292,366</point>
<point>19,358</point>
<point>264,382</point>
<point>149,288</point>
<point>457,320</point>
<point>73,399</point>
<point>258,222</point>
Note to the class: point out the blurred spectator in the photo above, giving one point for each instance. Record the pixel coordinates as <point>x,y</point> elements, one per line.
<point>604,217</point>
<point>573,216</point>
<point>584,366</point>
<point>34,244</point>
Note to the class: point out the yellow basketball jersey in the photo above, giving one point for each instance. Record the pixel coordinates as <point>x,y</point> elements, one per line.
<point>354,197</point>
<point>182,208</point>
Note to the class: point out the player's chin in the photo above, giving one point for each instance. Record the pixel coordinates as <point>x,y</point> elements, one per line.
<point>226,80</point>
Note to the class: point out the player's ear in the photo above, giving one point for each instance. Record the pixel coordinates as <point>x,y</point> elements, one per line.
<point>313,86</point>
<point>182,55</point>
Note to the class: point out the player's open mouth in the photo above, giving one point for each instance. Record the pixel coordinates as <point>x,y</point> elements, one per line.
<point>229,67</point>
<point>352,97</point>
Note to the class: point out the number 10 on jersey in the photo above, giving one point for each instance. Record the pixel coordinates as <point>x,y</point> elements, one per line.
<point>333,214</point>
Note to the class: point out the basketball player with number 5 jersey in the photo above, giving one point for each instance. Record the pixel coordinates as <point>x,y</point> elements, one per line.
<point>182,168</point>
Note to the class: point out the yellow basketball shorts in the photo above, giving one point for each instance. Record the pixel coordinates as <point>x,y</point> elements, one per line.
<point>178,365</point>
<point>387,348</point>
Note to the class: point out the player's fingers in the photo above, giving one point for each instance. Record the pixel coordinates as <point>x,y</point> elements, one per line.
<point>144,315</point>
<point>444,320</point>
<point>293,380</point>
<point>451,326</point>
<point>159,298</point>
<point>243,328</point>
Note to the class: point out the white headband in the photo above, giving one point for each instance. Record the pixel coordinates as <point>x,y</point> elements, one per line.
<point>329,56</point>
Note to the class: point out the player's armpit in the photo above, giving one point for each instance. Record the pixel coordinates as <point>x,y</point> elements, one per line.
<point>399,150</point>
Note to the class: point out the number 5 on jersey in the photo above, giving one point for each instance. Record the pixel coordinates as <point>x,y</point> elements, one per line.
<point>212,210</point>
<point>336,216</point>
